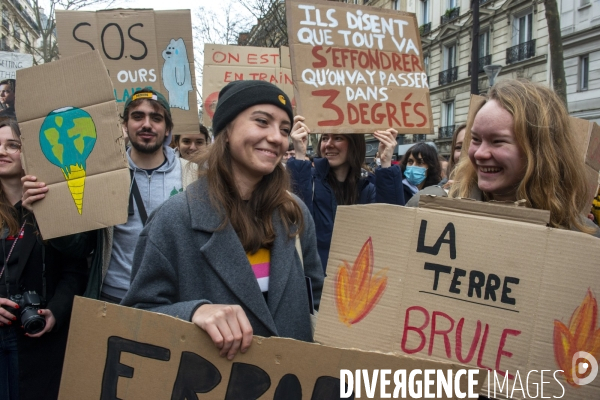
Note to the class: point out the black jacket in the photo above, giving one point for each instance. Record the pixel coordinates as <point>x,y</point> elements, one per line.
<point>41,359</point>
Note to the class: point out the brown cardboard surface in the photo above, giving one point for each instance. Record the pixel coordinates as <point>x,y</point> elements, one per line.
<point>508,211</point>
<point>81,82</point>
<point>357,68</point>
<point>397,298</point>
<point>228,63</point>
<point>134,45</point>
<point>120,352</point>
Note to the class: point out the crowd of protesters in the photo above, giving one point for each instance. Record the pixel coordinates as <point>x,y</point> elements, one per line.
<point>230,235</point>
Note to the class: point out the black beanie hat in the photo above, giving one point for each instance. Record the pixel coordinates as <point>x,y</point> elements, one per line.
<point>237,96</point>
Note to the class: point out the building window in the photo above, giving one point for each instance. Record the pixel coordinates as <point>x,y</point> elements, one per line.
<point>523,45</point>
<point>449,57</point>
<point>584,3</point>
<point>452,3</point>
<point>426,64</point>
<point>448,114</point>
<point>584,72</point>
<point>425,11</point>
<point>522,29</point>
<point>484,44</point>
<point>395,5</point>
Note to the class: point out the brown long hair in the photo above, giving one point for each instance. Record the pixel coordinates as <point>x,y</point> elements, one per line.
<point>252,220</point>
<point>451,161</point>
<point>8,213</point>
<point>554,178</point>
<point>347,192</point>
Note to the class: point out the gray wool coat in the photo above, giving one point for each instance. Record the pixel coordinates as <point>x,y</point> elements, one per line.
<point>183,261</point>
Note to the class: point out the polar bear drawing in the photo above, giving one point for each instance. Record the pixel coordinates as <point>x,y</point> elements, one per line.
<point>176,74</point>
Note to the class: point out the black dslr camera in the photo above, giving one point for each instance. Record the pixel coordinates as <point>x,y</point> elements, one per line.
<point>29,304</point>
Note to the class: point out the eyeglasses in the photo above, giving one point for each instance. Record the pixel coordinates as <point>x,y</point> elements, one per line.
<point>11,147</point>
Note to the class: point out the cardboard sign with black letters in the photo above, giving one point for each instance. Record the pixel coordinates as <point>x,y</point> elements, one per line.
<point>141,48</point>
<point>126,353</point>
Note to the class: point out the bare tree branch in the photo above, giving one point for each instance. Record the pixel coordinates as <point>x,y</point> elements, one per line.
<point>42,44</point>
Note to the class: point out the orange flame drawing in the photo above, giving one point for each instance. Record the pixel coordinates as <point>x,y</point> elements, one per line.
<point>581,335</point>
<point>357,291</point>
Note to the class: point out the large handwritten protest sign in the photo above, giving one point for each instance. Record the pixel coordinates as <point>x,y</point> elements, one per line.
<point>357,68</point>
<point>10,62</point>
<point>140,48</point>
<point>468,282</point>
<point>72,141</point>
<point>226,63</point>
<point>117,352</point>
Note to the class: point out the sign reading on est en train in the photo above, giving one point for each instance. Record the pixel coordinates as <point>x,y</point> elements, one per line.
<point>357,68</point>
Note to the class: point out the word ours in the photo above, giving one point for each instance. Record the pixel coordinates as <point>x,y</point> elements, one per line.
<point>460,343</point>
<point>198,375</point>
<point>364,30</point>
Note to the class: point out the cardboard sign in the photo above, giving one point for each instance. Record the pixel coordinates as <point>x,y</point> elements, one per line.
<point>119,352</point>
<point>357,69</point>
<point>10,62</point>
<point>73,142</point>
<point>494,293</point>
<point>224,64</point>
<point>141,48</point>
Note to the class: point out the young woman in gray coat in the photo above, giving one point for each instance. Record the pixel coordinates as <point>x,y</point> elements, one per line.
<point>223,254</point>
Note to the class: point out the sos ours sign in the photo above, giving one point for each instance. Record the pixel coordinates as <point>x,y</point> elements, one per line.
<point>140,48</point>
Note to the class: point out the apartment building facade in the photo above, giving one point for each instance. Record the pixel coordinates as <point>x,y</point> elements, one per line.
<point>580,28</point>
<point>19,31</point>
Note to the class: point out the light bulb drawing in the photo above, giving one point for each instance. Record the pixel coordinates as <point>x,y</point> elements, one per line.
<point>67,138</point>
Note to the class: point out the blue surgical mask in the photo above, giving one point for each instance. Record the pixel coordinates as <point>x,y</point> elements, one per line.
<point>415,175</point>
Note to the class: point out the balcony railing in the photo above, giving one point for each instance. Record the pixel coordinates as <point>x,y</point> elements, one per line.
<point>450,15</point>
<point>419,138</point>
<point>483,61</point>
<point>448,76</point>
<point>520,52</point>
<point>5,23</point>
<point>446,132</point>
<point>482,2</point>
<point>425,29</point>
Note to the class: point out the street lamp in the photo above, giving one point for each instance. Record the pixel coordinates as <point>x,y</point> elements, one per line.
<point>492,72</point>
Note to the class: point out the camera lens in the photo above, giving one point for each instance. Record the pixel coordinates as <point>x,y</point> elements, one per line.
<point>32,322</point>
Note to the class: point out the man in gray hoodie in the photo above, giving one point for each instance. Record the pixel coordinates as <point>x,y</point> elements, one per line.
<point>157,174</point>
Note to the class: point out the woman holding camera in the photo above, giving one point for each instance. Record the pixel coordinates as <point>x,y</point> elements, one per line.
<point>37,286</point>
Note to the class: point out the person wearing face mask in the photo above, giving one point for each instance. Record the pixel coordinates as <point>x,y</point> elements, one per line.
<point>421,169</point>
<point>337,177</point>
